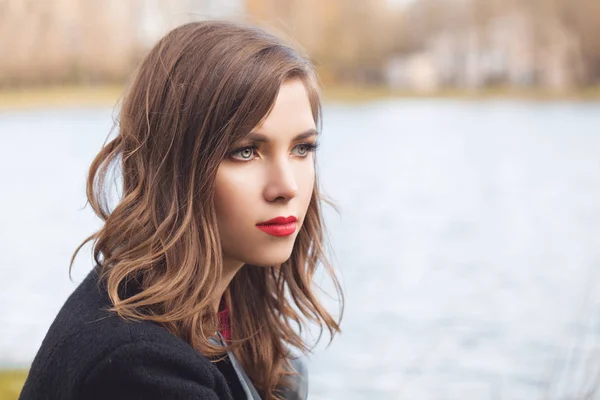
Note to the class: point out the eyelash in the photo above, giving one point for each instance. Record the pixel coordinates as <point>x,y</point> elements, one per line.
<point>310,147</point>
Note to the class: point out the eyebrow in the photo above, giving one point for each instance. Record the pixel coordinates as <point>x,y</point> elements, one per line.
<point>261,138</point>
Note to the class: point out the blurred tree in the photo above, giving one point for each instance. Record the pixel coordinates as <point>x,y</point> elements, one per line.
<point>358,45</point>
<point>66,41</point>
<point>349,40</point>
<point>582,17</point>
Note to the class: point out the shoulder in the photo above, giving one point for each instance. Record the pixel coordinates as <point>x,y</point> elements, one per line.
<point>146,369</point>
<point>90,353</point>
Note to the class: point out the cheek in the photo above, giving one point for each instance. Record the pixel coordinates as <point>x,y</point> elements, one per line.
<point>306,182</point>
<point>231,195</point>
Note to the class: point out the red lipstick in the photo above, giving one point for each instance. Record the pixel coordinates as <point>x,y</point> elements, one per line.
<point>280,226</point>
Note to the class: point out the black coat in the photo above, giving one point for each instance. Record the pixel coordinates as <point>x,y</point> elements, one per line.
<point>90,354</point>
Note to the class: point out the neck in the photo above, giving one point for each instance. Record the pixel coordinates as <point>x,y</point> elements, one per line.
<point>230,268</point>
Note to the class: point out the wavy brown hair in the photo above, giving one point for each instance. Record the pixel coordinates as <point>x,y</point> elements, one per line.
<point>203,87</point>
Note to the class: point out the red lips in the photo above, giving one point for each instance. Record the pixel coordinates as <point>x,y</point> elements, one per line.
<point>279,220</point>
<point>280,226</point>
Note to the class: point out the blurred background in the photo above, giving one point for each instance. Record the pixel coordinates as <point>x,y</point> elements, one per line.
<point>460,143</point>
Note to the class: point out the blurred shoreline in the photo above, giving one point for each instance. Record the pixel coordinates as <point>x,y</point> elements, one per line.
<point>108,95</point>
<point>59,96</point>
<point>11,383</point>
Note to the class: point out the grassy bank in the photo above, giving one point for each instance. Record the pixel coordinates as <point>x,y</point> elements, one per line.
<point>107,96</point>
<point>358,94</point>
<point>11,383</point>
<point>59,96</point>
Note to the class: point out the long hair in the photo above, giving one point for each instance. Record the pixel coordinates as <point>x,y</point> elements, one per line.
<point>202,87</point>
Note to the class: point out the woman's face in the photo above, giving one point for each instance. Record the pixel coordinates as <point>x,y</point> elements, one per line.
<point>268,174</point>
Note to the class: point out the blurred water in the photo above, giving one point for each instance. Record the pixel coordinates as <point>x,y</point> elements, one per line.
<point>468,243</point>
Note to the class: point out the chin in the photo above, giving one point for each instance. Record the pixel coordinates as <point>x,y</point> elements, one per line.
<point>271,258</point>
<point>272,262</point>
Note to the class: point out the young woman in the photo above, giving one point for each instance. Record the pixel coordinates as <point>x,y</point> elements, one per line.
<point>204,266</point>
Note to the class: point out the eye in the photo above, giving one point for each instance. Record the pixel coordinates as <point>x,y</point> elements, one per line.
<point>243,154</point>
<point>303,149</point>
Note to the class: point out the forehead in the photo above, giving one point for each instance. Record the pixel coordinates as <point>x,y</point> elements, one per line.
<point>291,113</point>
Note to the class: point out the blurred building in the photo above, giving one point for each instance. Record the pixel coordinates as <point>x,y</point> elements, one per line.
<point>416,72</point>
<point>514,48</point>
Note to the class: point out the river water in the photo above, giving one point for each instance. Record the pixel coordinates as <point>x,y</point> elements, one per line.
<point>467,240</point>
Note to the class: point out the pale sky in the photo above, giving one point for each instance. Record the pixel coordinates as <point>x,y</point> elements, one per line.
<point>399,3</point>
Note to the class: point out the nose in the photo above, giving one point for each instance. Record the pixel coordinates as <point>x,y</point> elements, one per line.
<point>281,182</point>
